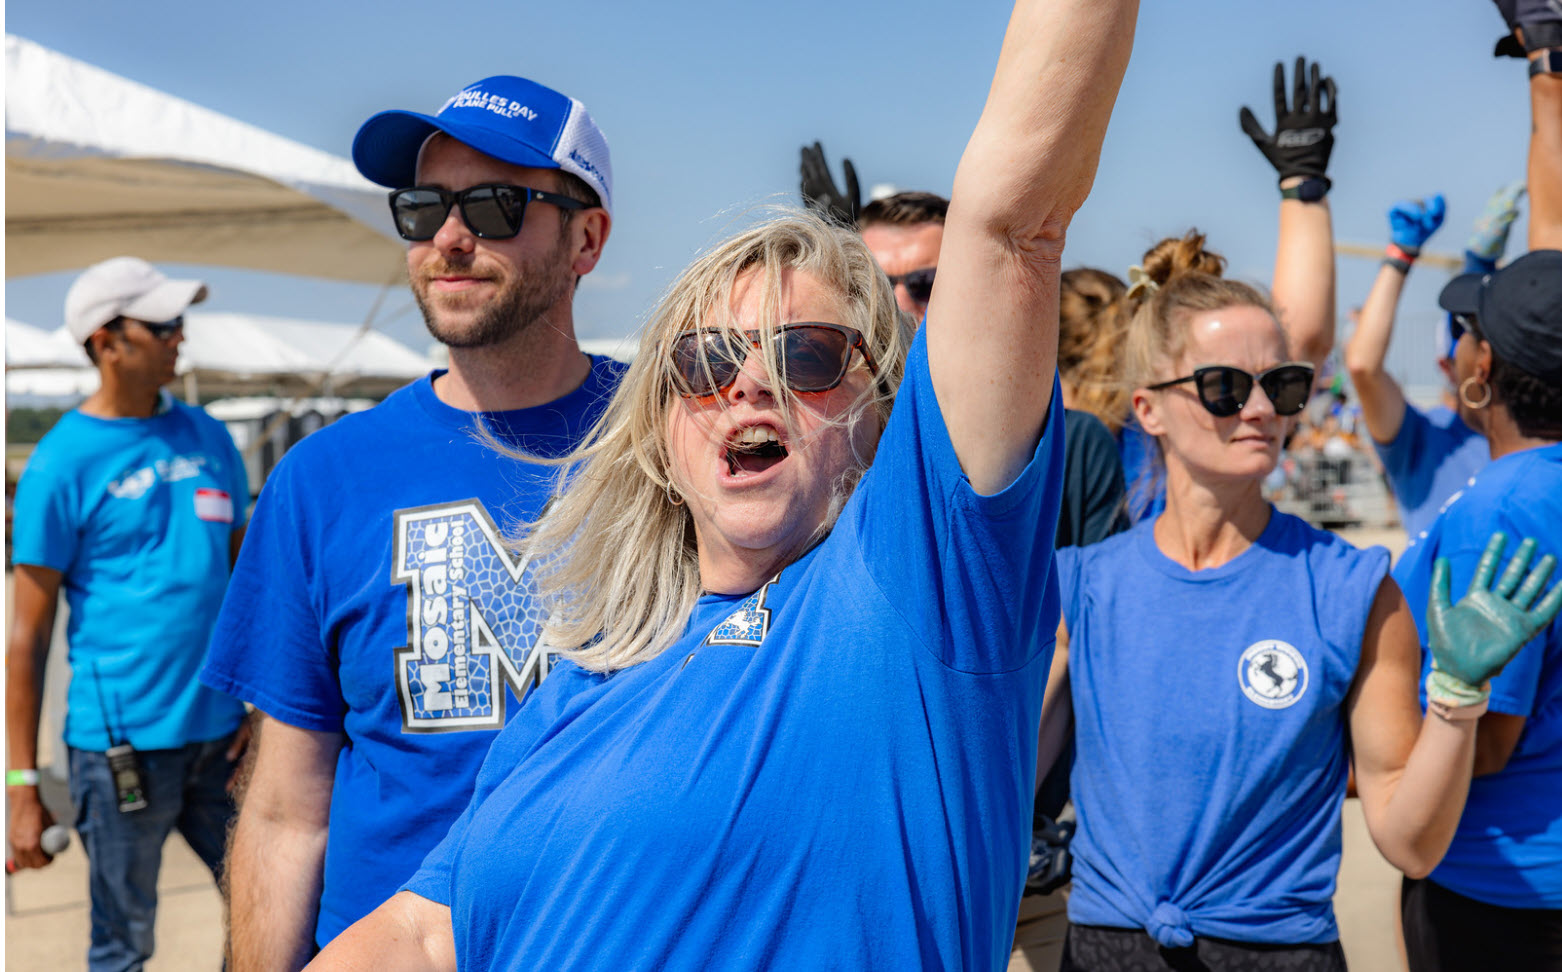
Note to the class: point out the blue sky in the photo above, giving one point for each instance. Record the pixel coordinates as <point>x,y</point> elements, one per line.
<point>705,105</point>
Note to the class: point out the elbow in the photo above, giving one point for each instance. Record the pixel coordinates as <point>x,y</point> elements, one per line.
<point>1415,862</point>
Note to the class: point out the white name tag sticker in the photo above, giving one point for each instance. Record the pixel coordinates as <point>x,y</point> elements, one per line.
<point>214,505</point>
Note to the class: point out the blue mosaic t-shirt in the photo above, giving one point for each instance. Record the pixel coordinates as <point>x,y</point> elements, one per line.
<point>375,597</point>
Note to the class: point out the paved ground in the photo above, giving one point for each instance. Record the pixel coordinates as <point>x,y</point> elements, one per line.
<point>46,923</point>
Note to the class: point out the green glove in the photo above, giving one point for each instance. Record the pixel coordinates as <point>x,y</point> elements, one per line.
<point>1473,640</point>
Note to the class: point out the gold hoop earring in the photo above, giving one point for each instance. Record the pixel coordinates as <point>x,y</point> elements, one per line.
<point>1464,394</point>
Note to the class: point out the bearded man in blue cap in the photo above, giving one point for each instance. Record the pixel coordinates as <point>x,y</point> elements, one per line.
<point>376,619</point>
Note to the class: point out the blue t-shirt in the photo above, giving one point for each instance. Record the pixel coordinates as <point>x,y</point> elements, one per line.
<point>832,772</point>
<point>1433,456</point>
<point>1508,849</point>
<point>1210,724</point>
<point>375,597</point>
<point>137,514</point>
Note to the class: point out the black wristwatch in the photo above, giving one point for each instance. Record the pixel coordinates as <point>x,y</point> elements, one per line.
<point>1308,190</point>
<point>1549,62</point>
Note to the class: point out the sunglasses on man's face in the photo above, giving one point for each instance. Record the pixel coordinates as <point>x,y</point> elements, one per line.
<point>492,211</point>
<point>162,330</point>
<point>814,356</point>
<point>1224,390</point>
<point>919,283</point>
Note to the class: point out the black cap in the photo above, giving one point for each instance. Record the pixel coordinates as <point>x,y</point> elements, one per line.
<point>1518,310</point>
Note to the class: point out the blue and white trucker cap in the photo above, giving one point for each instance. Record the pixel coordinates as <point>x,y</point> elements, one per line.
<point>512,119</point>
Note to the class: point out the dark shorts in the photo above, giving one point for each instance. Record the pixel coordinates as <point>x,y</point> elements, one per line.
<point>1092,948</point>
<point>1448,932</point>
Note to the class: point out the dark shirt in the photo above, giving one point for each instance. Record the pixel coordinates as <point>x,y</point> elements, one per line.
<point>1093,488</point>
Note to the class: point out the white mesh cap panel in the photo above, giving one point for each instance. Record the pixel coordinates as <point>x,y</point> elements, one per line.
<point>582,151</point>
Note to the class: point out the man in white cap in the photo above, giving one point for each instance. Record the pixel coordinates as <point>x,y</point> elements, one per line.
<point>134,504</point>
<point>377,619</point>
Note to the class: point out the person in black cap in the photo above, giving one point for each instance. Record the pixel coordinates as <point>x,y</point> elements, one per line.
<point>377,618</point>
<point>1496,899</point>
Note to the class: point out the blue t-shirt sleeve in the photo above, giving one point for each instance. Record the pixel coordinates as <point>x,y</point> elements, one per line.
<point>971,574</point>
<point>45,527</point>
<point>1410,461</point>
<point>268,647</point>
<point>1467,530</point>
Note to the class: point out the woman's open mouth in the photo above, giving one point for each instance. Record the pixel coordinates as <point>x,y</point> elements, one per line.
<point>753,449</point>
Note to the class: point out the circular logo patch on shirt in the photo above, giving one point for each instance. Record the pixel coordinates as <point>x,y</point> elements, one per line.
<point>1272,674</point>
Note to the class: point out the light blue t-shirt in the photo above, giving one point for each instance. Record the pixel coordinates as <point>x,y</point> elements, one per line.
<point>1210,724</point>
<point>833,772</point>
<point>137,514</point>
<point>1433,456</point>
<point>376,597</point>
<point>1508,849</point>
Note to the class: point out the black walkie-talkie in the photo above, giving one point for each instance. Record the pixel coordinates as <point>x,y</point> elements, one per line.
<point>129,783</point>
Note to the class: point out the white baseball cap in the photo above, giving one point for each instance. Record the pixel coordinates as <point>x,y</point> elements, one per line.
<point>126,287</point>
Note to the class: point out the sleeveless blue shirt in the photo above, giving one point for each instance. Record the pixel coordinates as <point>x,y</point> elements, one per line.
<point>1210,725</point>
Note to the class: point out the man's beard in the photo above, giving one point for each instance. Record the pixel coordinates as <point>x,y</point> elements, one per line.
<point>519,304</point>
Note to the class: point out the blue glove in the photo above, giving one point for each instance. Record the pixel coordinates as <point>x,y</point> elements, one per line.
<point>1490,237</point>
<point>1411,222</point>
<point>1470,642</point>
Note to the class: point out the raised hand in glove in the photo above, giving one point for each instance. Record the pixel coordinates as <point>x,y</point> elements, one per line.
<point>1473,640</point>
<point>820,193</point>
<point>1411,222</point>
<point>1304,130</point>
<point>1490,236</point>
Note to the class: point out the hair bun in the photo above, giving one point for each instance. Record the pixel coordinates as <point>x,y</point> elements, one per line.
<point>1177,256</point>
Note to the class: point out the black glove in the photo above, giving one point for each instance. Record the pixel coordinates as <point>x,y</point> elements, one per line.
<point>1541,21</point>
<point>1304,132</point>
<point>819,192</point>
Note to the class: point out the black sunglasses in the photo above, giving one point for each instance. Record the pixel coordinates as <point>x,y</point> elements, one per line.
<point>814,356</point>
<point>1223,390</point>
<point>493,210</point>
<point>162,330</point>
<point>919,283</point>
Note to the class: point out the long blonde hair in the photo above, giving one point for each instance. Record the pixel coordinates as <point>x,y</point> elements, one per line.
<point>618,568</point>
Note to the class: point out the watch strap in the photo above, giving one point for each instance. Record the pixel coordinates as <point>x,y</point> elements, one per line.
<point>1308,190</point>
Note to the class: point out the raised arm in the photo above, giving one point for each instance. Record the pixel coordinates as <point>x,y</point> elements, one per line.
<point>1545,157</point>
<point>993,318</point>
<point>276,857</point>
<point>1299,149</point>
<point>1411,224</point>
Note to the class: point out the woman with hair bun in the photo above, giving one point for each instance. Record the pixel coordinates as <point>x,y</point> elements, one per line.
<point>1224,658</point>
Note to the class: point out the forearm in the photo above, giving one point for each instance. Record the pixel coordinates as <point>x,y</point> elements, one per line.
<point>1304,278</point>
<point>992,323</point>
<point>25,659</point>
<point>1057,713</point>
<point>274,876</point>
<point>1545,163</point>
<point>1382,401</point>
<point>1423,804</point>
<point>405,934</point>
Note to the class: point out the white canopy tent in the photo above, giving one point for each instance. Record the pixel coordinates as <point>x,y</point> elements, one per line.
<point>98,166</point>
<point>230,354</point>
